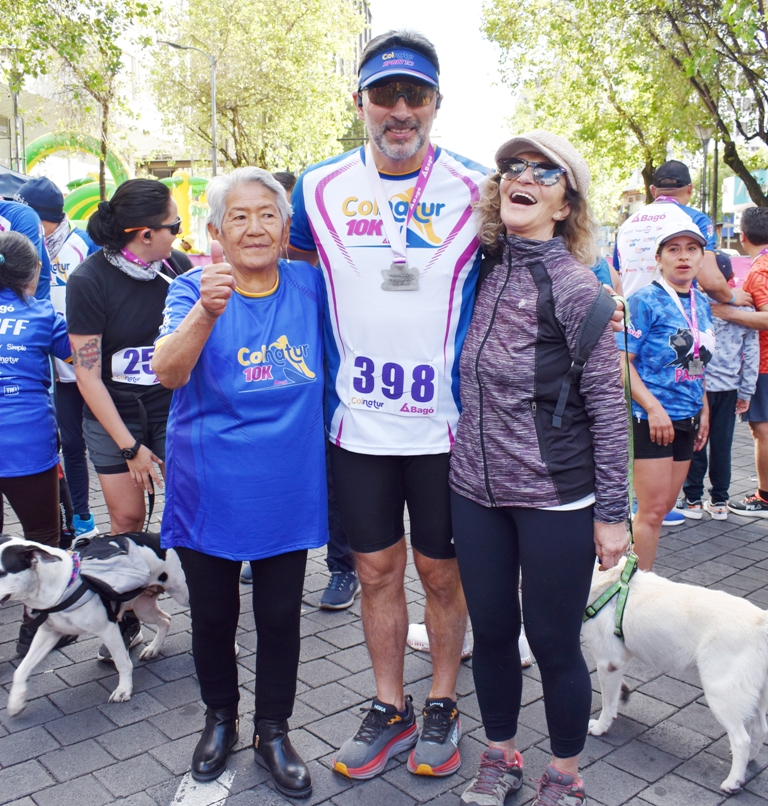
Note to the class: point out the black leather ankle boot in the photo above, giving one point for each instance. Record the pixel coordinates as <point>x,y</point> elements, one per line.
<point>219,736</point>
<point>273,750</point>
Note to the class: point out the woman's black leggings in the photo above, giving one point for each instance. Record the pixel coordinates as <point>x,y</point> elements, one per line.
<point>214,600</point>
<point>556,553</point>
<point>35,500</point>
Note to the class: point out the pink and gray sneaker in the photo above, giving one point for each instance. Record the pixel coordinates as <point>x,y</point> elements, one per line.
<point>496,777</point>
<point>557,788</point>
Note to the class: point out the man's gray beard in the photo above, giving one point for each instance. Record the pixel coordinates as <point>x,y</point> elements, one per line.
<point>398,151</point>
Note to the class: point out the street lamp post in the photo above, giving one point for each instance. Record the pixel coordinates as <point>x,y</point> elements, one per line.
<point>704,133</point>
<point>212,61</point>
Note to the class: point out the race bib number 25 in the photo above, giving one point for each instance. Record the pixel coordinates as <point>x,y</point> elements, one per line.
<point>405,388</point>
<point>134,365</point>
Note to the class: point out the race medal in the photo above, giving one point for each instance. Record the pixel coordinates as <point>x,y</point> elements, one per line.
<point>400,278</point>
<point>695,367</point>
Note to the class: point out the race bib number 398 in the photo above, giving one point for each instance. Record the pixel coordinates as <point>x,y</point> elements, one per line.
<point>134,365</point>
<point>405,388</point>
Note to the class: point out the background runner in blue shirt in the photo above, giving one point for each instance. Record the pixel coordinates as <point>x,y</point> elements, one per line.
<point>15,216</point>
<point>670,339</point>
<point>30,332</point>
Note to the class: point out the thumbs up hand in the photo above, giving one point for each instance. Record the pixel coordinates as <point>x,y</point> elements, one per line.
<point>217,282</point>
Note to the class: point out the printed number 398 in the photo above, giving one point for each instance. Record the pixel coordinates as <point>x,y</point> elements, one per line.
<point>393,380</point>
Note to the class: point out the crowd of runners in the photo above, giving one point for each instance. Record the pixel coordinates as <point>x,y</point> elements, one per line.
<point>401,328</point>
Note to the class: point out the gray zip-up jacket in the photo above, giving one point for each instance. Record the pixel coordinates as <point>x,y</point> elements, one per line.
<point>518,349</point>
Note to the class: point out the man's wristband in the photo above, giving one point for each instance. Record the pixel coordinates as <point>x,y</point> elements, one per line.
<point>733,299</point>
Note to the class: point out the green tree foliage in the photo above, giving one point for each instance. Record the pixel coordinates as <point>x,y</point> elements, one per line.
<point>629,80</point>
<point>283,78</point>
<point>584,72</point>
<point>41,36</point>
<point>720,48</point>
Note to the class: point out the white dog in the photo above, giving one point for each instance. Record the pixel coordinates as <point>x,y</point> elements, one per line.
<point>42,577</point>
<point>672,627</point>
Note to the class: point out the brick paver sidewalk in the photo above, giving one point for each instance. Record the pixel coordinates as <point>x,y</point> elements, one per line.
<point>71,747</point>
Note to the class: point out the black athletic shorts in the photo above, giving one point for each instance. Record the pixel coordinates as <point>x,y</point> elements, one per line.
<point>371,492</point>
<point>681,447</point>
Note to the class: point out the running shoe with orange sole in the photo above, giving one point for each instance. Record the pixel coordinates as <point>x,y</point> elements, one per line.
<point>385,732</point>
<point>437,750</point>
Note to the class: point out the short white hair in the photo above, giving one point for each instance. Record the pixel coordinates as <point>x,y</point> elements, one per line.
<point>220,187</point>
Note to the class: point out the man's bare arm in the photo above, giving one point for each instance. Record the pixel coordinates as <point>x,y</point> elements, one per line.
<point>712,281</point>
<point>757,320</point>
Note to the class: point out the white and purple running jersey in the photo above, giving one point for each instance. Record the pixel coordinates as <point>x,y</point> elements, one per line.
<point>392,357</point>
<point>635,253</point>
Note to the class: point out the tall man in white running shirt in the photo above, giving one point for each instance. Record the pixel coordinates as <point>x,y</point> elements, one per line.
<point>635,254</point>
<point>393,228</point>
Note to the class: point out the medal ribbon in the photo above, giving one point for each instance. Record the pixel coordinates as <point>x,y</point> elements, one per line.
<point>693,321</point>
<point>398,237</point>
<point>128,255</point>
<point>760,254</point>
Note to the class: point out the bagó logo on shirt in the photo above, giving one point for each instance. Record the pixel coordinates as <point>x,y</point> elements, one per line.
<point>280,364</point>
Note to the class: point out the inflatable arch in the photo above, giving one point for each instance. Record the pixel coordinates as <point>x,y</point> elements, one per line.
<point>49,144</point>
<point>82,202</point>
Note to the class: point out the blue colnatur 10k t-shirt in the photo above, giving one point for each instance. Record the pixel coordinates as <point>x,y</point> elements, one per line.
<point>245,462</point>
<point>30,332</point>
<point>662,343</point>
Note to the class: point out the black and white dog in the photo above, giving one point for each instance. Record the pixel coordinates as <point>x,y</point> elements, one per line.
<point>672,627</point>
<point>45,578</point>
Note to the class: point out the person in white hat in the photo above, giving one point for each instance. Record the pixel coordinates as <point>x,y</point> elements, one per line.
<point>670,340</point>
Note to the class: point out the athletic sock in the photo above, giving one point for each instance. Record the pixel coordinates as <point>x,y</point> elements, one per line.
<point>763,494</point>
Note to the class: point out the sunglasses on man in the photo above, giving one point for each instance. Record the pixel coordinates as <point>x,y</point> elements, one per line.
<point>389,94</point>
<point>174,227</point>
<point>544,173</point>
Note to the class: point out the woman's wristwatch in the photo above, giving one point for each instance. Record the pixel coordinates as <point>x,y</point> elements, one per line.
<point>130,453</point>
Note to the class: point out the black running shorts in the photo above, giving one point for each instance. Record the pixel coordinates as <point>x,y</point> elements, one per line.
<point>372,491</point>
<point>681,447</point>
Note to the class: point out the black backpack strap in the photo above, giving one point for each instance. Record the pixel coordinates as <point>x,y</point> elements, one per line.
<point>487,265</point>
<point>593,326</point>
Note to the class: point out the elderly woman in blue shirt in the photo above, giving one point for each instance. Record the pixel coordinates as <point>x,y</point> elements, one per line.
<point>242,346</point>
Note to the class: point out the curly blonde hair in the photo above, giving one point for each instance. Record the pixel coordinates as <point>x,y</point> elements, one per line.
<point>577,230</point>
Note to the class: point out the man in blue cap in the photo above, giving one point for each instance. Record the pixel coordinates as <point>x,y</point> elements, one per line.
<point>393,229</point>
<point>67,248</point>
<point>18,217</point>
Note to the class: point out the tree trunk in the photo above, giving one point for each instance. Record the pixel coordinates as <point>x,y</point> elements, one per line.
<point>732,159</point>
<point>648,171</point>
<point>103,154</point>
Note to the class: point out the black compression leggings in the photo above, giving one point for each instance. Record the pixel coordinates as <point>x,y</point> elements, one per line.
<point>556,553</point>
<point>35,500</point>
<point>214,600</point>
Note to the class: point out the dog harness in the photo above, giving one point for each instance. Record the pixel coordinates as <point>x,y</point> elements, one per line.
<point>110,567</point>
<point>621,588</point>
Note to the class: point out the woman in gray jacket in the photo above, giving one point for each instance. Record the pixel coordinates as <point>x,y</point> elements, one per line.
<point>539,468</point>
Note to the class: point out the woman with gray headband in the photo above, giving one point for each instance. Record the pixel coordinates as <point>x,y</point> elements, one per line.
<point>242,346</point>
